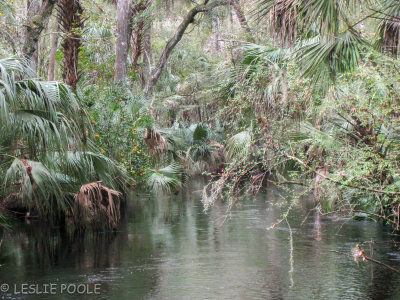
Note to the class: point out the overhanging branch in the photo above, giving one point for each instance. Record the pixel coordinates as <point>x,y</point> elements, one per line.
<point>189,18</point>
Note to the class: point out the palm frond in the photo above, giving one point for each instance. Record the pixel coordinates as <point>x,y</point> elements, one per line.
<point>4,223</point>
<point>42,161</point>
<point>284,20</point>
<point>323,58</point>
<point>255,54</point>
<point>200,133</point>
<point>97,31</point>
<point>155,141</point>
<point>98,206</point>
<point>167,179</point>
<point>38,186</point>
<point>239,144</point>
<point>310,134</point>
<point>389,27</point>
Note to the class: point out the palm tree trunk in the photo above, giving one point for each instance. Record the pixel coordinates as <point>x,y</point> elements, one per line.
<point>70,12</point>
<point>138,32</point>
<point>70,21</point>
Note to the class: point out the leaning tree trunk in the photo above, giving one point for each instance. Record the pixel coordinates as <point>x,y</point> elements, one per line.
<point>188,19</point>
<point>124,30</point>
<point>72,25</point>
<point>37,19</point>
<point>239,11</point>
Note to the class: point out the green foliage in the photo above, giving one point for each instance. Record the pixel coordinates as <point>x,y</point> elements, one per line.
<point>167,179</point>
<point>343,144</point>
<point>196,146</point>
<point>4,222</point>
<point>42,157</point>
<point>311,102</point>
<point>239,144</point>
<point>118,122</point>
<point>323,58</point>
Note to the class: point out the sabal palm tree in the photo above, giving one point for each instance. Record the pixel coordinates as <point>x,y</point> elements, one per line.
<point>326,37</point>
<point>389,27</point>
<point>183,149</point>
<point>195,145</point>
<point>43,162</point>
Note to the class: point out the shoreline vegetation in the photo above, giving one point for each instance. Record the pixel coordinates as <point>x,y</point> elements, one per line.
<point>99,99</point>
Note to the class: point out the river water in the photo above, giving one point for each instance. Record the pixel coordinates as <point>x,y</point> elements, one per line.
<point>168,248</point>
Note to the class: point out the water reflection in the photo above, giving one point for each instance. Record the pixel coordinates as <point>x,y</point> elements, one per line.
<point>168,248</point>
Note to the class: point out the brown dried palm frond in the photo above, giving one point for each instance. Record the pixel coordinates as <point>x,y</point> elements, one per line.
<point>98,206</point>
<point>218,152</point>
<point>284,21</point>
<point>390,35</point>
<point>155,141</point>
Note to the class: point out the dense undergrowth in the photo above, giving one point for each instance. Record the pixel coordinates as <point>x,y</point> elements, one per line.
<point>296,96</point>
<point>341,144</point>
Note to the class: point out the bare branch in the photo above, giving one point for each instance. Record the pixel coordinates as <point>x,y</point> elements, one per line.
<point>189,18</point>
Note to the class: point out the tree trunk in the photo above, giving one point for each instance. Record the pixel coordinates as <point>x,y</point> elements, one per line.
<point>147,54</point>
<point>239,11</point>
<point>216,32</point>
<point>170,5</point>
<point>70,21</point>
<point>138,32</point>
<point>189,18</point>
<point>37,20</point>
<point>53,50</point>
<point>137,45</point>
<point>124,30</point>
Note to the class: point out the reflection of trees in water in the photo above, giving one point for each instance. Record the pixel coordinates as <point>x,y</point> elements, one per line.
<point>96,250</point>
<point>375,290</point>
<point>167,245</point>
<point>383,283</point>
<point>38,250</point>
<point>275,281</point>
<point>43,247</point>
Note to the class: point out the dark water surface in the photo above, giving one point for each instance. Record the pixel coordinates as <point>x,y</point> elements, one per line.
<point>168,248</point>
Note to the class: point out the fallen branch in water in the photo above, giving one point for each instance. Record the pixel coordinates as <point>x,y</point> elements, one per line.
<point>358,252</point>
<point>394,243</point>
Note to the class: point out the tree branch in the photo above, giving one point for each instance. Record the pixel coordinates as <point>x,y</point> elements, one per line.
<point>189,18</point>
<point>38,18</point>
<point>342,183</point>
